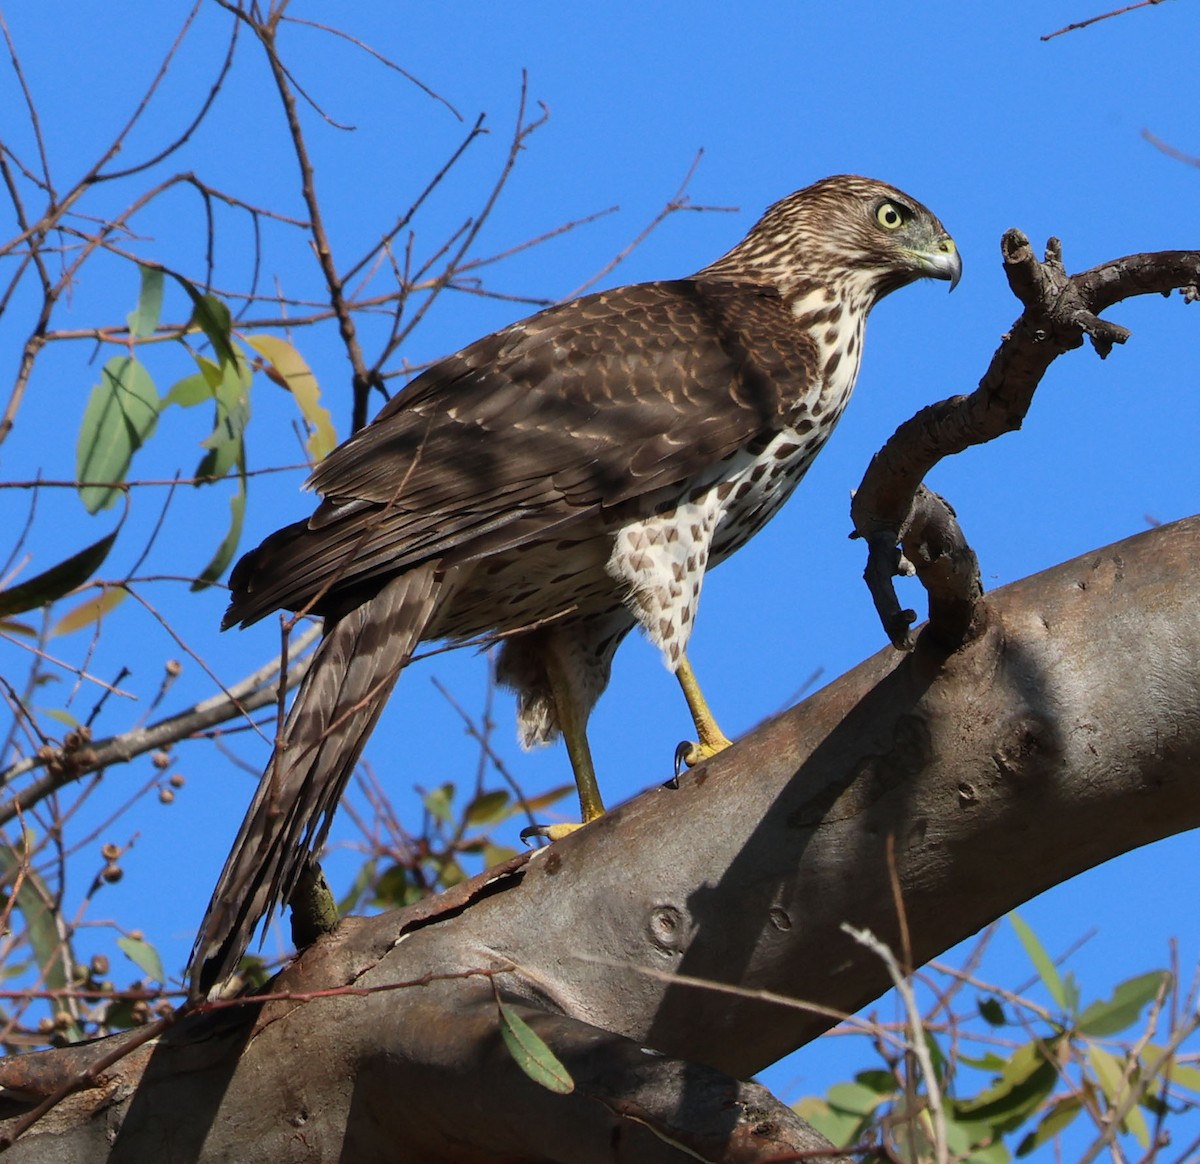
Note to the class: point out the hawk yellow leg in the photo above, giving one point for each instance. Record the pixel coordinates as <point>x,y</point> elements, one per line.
<point>712,739</point>
<point>573,725</point>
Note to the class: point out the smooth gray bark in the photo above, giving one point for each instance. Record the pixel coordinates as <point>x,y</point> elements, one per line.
<point>1066,733</point>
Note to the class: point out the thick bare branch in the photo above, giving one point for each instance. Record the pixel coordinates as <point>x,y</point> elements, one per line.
<point>676,921</point>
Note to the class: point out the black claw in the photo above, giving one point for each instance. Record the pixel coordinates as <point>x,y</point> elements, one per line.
<point>681,761</point>
<point>528,835</point>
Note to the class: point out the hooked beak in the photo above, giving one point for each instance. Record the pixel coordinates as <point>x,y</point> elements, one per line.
<point>942,261</point>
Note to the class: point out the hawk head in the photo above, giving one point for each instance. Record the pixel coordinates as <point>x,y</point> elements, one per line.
<point>859,236</point>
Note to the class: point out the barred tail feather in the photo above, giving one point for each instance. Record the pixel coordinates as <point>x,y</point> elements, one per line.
<point>340,698</point>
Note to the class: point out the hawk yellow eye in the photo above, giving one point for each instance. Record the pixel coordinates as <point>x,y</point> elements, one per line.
<point>889,216</point>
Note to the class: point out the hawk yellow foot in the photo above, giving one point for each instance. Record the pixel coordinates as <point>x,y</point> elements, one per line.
<point>554,832</point>
<point>712,739</point>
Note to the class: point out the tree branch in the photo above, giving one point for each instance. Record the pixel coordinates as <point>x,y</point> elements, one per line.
<point>1065,734</point>
<point>890,507</point>
<point>64,766</point>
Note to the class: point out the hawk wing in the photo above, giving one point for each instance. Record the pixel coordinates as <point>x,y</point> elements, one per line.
<point>588,406</point>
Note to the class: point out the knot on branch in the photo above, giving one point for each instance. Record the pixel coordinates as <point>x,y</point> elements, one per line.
<point>1055,305</point>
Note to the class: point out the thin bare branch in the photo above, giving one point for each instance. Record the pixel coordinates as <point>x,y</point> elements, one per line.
<point>677,202</point>
<point>383,60</point>
<point>235,701</point>
<point>1170,150</point>
<point>1096,19</point>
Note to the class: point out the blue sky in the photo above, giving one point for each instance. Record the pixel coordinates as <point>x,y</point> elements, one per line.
<point>961,105</point>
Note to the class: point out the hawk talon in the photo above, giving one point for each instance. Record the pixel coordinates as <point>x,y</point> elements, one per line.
<point>682,751</point>
<point>692,754</point>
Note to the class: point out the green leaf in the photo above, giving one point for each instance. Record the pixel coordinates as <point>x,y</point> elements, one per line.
<point>495,854</point>
<point>1026,1079</point>
<point>537,803</point>
<point>487,808</point>
<point>883,1082</point>
<point>212,317</point>
<point>189,391</point>
<point>1057,1119</point>
<point>937,1059</point>
<point>229,544</point>
<point>144,956</point>
<point>995,1153</point>
<point>840,1128</point>
<point>1121,1011</point>
<point>1042,961</point>
<point>393,888</point>
<point>120,416</point>
<point>145,317</point>
<point>992,1012</point>
<point>961,1137</point>
<point>48,937</point>
<point>1071,993</point>
<point>288,369</point>
<point>986,1062</point>
<point>358,888</point>
<point>90,611</point>
<point>438,803</point>
<point>531,1054</point>
<point>52,584</point>
<point>855,1098</point>
<point>225,444</point>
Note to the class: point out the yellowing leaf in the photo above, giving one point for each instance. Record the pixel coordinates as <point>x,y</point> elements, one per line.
<point>1110,1074</point>
<point>91,611</point>
<point>294,374</point>
<point>1179,1073</point>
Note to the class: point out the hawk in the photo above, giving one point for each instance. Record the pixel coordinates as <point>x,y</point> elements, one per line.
<point>558,483</point>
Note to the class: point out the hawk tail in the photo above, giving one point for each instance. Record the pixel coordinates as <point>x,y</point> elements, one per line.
<point>351,676</point>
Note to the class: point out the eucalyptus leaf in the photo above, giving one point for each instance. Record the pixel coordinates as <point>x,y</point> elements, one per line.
<point>121,414</point>
<point>144,318</point>
<point>531,1054</point>
<point>53,584</point>
<point>229,543</point>
<point>1042,961</point>
<point>144,956</point>
<point>1128,1001</point>
<point>289,369</point>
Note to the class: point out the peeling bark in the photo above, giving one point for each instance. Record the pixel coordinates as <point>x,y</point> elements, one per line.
<point>1064,734</point>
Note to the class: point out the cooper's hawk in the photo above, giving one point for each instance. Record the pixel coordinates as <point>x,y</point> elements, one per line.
<point>561,482</point>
